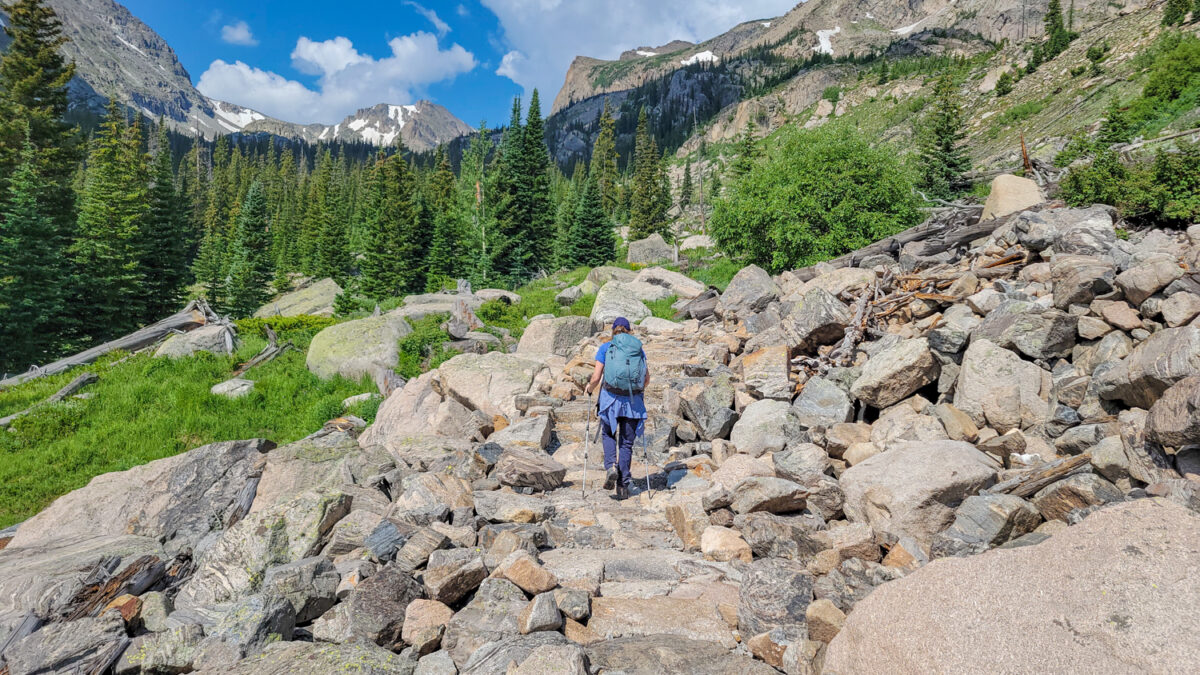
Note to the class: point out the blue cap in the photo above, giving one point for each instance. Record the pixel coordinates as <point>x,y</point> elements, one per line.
<point>622,322</point>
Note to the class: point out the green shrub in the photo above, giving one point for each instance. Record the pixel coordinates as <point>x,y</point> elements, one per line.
<point>820,194</point>
<point>1165,191</point>
<point>1020,113</point>
<point>662,308</point>
<point>423,347</point>
<point>1078,147</point>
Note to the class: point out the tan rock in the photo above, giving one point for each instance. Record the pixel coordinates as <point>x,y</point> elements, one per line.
<point>424,623</point>
<point>858,453</point>
<point>824,619</point>
<point>723,544</point>
<point>687,516</point>
<point>1010,194</point>
<point>1106,598</point>
<point>825,562</point>
<point>629,617</point>
<point>769,647</point>
<point>524,571</point>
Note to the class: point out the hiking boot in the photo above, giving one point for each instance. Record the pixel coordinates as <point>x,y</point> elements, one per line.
<point>610,479</point>
<point>622,491</point>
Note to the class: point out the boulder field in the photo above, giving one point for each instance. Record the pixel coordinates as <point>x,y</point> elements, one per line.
<point>984,460</point>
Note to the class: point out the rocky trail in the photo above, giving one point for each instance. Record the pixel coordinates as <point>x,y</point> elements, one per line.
<point>982,460</point>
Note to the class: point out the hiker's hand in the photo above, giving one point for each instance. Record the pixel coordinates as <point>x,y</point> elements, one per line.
<point>587,390</point>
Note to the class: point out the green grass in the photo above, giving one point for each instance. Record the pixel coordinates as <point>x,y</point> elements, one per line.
<point>662,308</point>
<point>537,298</point>
<point>425,348</point>
<point>144,408</point>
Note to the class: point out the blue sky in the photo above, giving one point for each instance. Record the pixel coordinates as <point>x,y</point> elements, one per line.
<point>307,61</point>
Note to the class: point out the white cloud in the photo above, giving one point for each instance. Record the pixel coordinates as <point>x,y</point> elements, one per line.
<point>441,26</point>
<point>347,79</point>
<point>463,11</point>
<point>239,33</point>
<point>547,35</point>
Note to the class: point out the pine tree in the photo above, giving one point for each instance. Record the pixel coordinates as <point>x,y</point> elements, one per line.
<point>1058,37</point>
<point>523,242</point>
<point>164,238</point>
<point>1116,127</point>
<point>646,212</point>
<point>211,262</point>
<point>31,296</point>
<point>250,271</point>
<point>1005,84</point>
<point>748,152</point>
<point>392,260</point>
<point>604,161</point>
<point>33,104</point>
<point>1176,12</point>
<point>592,242</point>
<point>687,189</point>
<point>112,213</point>
<point>943,159</point>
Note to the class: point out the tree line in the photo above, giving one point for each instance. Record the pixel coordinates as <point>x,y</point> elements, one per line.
<point>103,232</point>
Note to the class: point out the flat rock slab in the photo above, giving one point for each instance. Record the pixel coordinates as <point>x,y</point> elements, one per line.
<point>691,619</point>
<point>657,654</point>
<point>1115,594</point>
<point>319,658</point>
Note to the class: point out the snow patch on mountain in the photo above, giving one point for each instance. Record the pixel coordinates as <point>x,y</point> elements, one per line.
<point>702,57</point>
<point>825,40</point>
<point>645,53</point>
<point>129,44</point>
<point>905,30</point>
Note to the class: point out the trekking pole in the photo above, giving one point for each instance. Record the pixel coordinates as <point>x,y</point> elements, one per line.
<point>587,440</point>
<point>646,453</point>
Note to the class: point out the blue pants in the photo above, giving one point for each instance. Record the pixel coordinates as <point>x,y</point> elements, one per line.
<point>628,431</point>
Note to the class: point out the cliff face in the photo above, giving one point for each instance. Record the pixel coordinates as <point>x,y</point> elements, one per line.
<point>836,27</point>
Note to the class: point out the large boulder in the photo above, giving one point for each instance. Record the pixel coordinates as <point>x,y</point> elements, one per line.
<point>997,388</point>
<point>652,249</point>
<point>1174,420</point>
<point>310,463</point>
<point>179,500</point>
<point>1103,596</point>
<point>489,382</point>
<point>1010,194</point>
<point>405,412</point>
<point>652,654</point>
<point>822,404</point>
<point>490,616</point>
<point>65,647</point>
<point>1165,358</point>
<point>709,406</point>
<point>212,338</point>
<point>1079,279</point>
<point>1025,327</point>
<point>750,291</point>
<point>896,373</point>
<point>819,319</point>
<point>555,336</point>
<point>676,284</point>
<point>914,488</point>
<point>236,564</point>
<point>606,273</point>
<point>768,372</point>
<point>765,426</point>
<point>313,300</point>
<point>1148,278</point>
<point>357,348</point>
<point>373,612</point>
<point>319,658</point>
<point>615,300</point>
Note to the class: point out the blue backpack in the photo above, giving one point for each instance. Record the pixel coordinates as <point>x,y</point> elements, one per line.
<point>624,365</point>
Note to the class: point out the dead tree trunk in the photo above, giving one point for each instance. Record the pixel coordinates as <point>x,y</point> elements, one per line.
<point>75,385</point>
<point>195,315</point>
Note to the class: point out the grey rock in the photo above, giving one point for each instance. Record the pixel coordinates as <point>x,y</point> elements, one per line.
<point>314,300</point>
<point>822,404</point>
<point>914,487</point>
<point>492,615</point>
<point>775,594</point>
<point>1174,419</point>
<point>386,539</point>
<point>554,660</point>
<point>494,658</point>
<point>373,612</point>
<point>453,581</point>
<point>800,459</point>
<point>986,521</point>
<point>170,651</point>
<point>573,603</point>
<point>853,581</point>
<point>657,654</point>
<point>773,495</point>
<point>319,658</point>
<point>355,349</point>
<point>310,585</point>
<point>437,663</point>
<point>997,388</point>
<point>419,547</point>
<point>245,630</point>
<point>895,373</point>
<point>1056,501</point>
<point>1023,326</point>
<point>652,249</point>
<point>65,647</point>
<point>541,614</point>
<point>529,467</point>
<point>1152,367</point>
<point>709,405</point>
<point>749,292</point>
<point>819,319</point>
<point>1078,279</point>
<point>555,336</point>
<point>507,507</point>
<point>615,300</point>
<point>772,536</point>
<point>765,426</point>
<point>180,500</point>
<point>211,339</point>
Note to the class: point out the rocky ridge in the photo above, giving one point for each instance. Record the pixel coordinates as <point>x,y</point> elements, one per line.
<point>993,448</point>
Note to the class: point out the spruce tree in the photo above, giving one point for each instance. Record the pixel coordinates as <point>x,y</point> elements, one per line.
<point>592,242</point>
<point>33,104</point>
<point>748,152</point>
<point>1058,38</point>
<point>523,242</point>
<point>1116,127</point>
<point>1004,85</point>
<point>31,296</point>
<point>392,261</point>
<point>604,161</point>
<point>943,159</point>
<point>1175,12</point>
<point>688,188</point>
<point>211,264</point>
<point>250,271</point>
<point>646,213</point>
<point>164,238</point>
<point>112,213</point>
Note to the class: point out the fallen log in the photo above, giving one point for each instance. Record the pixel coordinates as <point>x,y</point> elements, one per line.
<point>1027,484</point>
<point>74,386</point>
<point>272,350</point>
<point>196,314</point>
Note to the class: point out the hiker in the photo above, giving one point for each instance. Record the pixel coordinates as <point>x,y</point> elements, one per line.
<point>621,366</point>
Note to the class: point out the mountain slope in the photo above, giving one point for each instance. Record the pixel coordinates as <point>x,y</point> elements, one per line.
<point>116,54</point>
